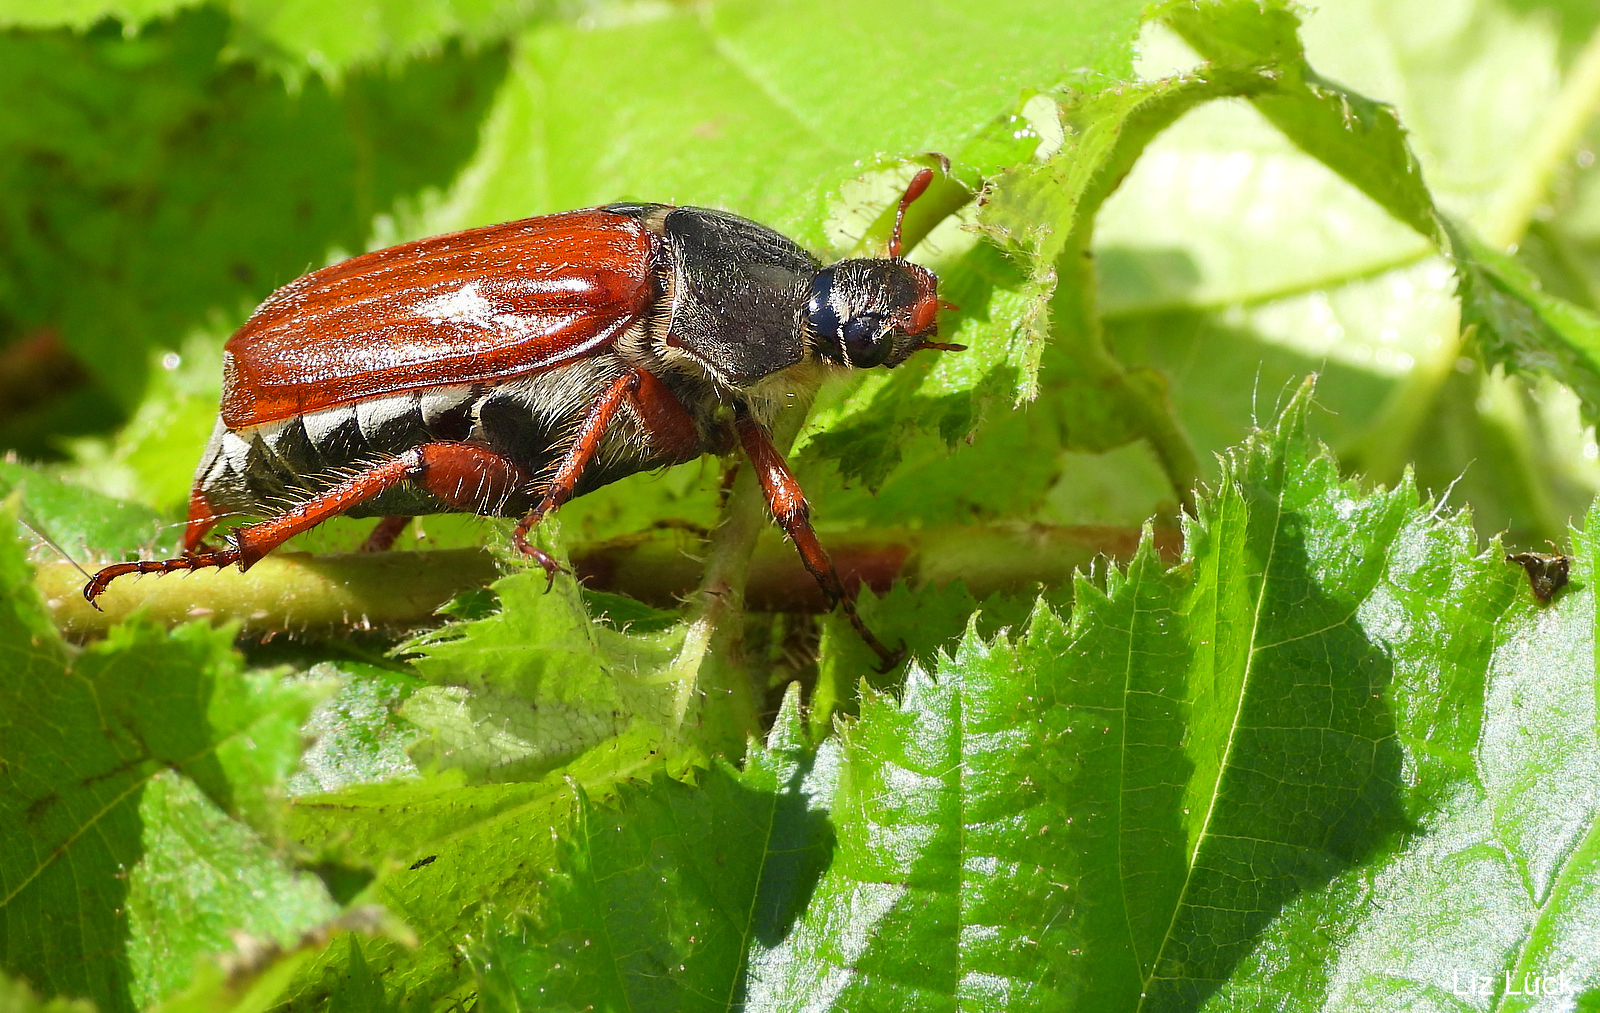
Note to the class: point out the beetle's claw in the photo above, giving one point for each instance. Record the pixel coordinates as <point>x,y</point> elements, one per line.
<point>551,568</point>
<point>543,558</point>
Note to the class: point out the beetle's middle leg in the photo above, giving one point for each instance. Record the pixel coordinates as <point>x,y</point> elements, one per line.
<point>585,447</point>
<point>665,425</point>
<point>465,476</point>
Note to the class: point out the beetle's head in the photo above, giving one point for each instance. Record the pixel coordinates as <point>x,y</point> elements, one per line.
<point>868,313</point>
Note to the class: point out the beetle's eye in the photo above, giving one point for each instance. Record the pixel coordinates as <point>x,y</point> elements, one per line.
<point>864,342</point>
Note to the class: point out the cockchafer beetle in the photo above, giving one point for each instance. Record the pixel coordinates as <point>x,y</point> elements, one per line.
<point>504,370</point>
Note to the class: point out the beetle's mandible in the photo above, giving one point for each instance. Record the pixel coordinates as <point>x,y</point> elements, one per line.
<point>504,370</point>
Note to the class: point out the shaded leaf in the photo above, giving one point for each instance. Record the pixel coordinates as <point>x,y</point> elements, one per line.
<point>153,183</point>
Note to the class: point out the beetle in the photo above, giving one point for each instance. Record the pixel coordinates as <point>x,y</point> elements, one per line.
<point>504,370</point>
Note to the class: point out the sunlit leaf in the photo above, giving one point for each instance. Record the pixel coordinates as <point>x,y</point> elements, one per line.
<point>1175,800</point>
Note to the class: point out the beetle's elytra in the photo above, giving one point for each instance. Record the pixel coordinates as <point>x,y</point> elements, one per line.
<point>504,370</point>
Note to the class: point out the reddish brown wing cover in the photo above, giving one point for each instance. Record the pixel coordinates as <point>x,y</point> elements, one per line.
<point>484,304</point>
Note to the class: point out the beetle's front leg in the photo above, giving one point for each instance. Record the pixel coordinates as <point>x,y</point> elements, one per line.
<point>793,514</point>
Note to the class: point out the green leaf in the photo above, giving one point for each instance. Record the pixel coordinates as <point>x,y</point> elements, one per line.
<point>203,878</point>
<point>1043,211</point>
<point>922,622</point>
<point>254,978</point>
<point>1526,329</point>
<point>17,997</point>
<point>294,36</point>
<point>760,120</point>
<point>358,735</point>
<point>126,767</point>
<point>1110,813</point>
<point>1519,328</point>
<point>535,685</point>
<point>81,14</point>
<point>738,74</point>
<point>77,519</point>
<point>736,854</point>
<point>531,698</point>
<point>1252,774</point>
<point>152,458</point>
<point>438,849</point>
<point>1505,828</point>
<point>1234,263</point>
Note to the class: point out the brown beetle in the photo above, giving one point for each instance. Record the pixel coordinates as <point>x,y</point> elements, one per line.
<point>504,370</point>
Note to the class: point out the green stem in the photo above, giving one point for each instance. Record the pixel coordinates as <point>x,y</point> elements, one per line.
<point>1075,321</point>
<point>1381,455</point>
<point>1560,131</point>
<point>297,591</point>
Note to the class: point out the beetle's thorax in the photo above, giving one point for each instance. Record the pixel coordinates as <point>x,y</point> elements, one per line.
<point>734,295</point>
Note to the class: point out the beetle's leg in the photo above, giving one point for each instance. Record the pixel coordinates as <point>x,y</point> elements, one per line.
<point>793,514</point>
<point>383,536</point>
<point>465,476</point>
<point>666,425</point>
<point>585,446</point>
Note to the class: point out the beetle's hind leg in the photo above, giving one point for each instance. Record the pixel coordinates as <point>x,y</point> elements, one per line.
<point>461,474</point>
<point>202,518</point>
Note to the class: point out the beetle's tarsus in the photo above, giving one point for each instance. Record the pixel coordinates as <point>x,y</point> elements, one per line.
<point>888,660</point>
<point>519,538</point>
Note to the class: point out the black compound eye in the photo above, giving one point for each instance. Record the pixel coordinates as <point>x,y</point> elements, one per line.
<point>864,342</point>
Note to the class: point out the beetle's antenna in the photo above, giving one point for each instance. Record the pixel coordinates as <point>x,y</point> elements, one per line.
<point>919,184</point>
<point>46,539</point>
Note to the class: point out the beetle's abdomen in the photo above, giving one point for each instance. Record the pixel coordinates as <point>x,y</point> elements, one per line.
<point>261,470</point>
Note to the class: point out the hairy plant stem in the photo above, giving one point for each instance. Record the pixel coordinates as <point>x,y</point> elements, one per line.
<point>713,679</point>
<point>290,591</point>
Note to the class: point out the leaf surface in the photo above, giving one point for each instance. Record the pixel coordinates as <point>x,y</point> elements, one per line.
<point>1218,781</point>
<point>138,774</point>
